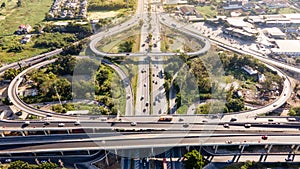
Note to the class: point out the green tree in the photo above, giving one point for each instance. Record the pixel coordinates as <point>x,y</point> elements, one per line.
<point>235,105</point>
<point>11,73</point>
<point>19,3</point>
<point>3,5</point>
<point>19,165</point>
<point>194,160</point>
<point>126,46</point>
<point>64,65</point>
<point>295,111</point>
<point>47,165</point>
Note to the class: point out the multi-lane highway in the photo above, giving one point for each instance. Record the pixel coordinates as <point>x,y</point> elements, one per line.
<point>159,100</point>
<point>143,88</point>
<point>135,141</point>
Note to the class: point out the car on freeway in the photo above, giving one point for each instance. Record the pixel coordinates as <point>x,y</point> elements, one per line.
<point>128,96</point>
<point>144,110</point>
<point>142,97</point>
<point>19,113</point>
<point>127,54</point>
<point>143,45</point>
<point>181,119</point>
<point>247,125</point>
<point>145,84</point>
<point>204,121</point>
<point>226,125</point>
<point>61,124</point>
<point>133,123</point>
<point>143,70</point>
<point>233,119</point>
<point>46,123</point>
<point>186,125</point>
<point>147,103</point>
<point>155,45</point>
<point>228,141</point>
<point>77,123</point>
<point>264,137</point>
<point>7,160</point>
<point>229,161</point>
<point>48,115</point>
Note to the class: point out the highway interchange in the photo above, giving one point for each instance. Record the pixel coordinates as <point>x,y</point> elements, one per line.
<point>149,62</point>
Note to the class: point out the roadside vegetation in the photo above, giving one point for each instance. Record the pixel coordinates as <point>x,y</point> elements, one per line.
<point>98,84</point>
<point>44,35</point>
<point>220,81</point>
<point>128,40</point>
<point>194,159</point>
<point>172,41</point>
<point>258,165</point>
<point>53,37</point>
<point>29,12</point>
<point>24,165</point>
<point>110,12</point>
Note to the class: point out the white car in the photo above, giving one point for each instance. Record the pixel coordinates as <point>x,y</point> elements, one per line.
<point>133,123</point>
<point>61,124</point>
<point>77,123</point>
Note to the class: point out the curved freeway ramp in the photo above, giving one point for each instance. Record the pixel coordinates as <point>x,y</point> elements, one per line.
<point>17,101</point>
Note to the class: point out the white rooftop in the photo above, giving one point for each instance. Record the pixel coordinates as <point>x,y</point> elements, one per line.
<point>288,45</point>
<point>237,22</point>
<point>275,31</point>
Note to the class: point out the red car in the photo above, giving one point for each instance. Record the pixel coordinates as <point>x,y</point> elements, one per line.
<point>264,137</point>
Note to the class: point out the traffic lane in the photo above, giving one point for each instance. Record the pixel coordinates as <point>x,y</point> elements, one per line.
<point>156,142</point>
<point>148,125</point>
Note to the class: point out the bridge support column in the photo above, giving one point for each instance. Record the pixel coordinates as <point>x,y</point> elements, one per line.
<point>106,159</point>
<point>293,156</point>
<point>2,135</point>
<point>238,158</point>
<point>187,148</point>
<point>233,158</point>
<point>210,158</point>
<point>62,153</point>
<point>216,148</point>
<point>297,148</point>
<point>94,131</point>
<point>270,147</point>
<point>68,131</point>
<point>266,155</point>
<point>261,157</point>
<point>152,151</point>
<point>88,151</point>
<point>243,147</point>
<point>22,132</point>
<point>116,154</point>
<point>45,132</point>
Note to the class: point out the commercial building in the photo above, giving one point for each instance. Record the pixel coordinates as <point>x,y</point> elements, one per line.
<point>275,33</point>
<point>287,47</point>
